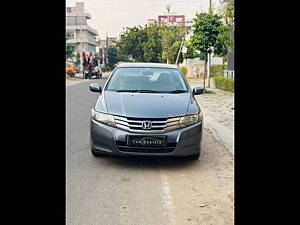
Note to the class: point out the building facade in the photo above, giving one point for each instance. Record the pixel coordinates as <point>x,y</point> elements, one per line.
<point>78,31</point>
<point>108,42</point>
<point>170,19</point>
<point>230,55</point>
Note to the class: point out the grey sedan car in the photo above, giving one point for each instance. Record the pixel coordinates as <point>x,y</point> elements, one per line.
<point>146,109</point>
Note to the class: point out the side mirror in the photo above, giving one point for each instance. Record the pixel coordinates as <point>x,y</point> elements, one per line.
<point>95,87</point>
<point>198,90</point>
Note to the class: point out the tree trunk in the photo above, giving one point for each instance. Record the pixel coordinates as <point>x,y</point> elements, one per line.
<point>205,71</point>
<point>208,74</point>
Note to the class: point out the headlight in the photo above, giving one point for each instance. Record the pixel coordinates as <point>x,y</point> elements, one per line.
<point>189,120</point>
<point>103,118</point>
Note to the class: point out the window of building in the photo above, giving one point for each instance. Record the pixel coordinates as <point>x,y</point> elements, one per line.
<point>179,20</point>
<point>70,35</point>
<point>69,9</point>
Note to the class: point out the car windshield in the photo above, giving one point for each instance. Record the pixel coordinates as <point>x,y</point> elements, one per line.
<point>150,80</point>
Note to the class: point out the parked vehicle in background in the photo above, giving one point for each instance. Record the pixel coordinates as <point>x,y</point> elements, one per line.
<point>146,109</point>
<point>70,69</point>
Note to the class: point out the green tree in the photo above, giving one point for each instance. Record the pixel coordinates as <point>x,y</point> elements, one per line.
<point>151,43</point>
<point>171,41</point>
<point>131,42</point>
<point>223,41</point>
<point>78,58</point>
<point>70,51</point>
<point>112,57</point>
<point>229,15</point>
<point>210,35</point>
<point>153,46</point>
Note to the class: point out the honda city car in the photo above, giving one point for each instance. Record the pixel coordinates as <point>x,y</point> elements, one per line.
<point>146,109</point>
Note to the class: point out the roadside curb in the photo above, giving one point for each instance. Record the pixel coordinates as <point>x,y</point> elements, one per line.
<point>75,82</point>
<point>221,133</point>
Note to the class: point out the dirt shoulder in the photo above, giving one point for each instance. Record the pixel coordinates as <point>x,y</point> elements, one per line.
<point>73,80</point>
<point>203,194</point>
<point>218,111</point>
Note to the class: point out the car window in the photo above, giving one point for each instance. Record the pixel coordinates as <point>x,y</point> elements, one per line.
<point>67,65</point>
<point>151,79</point>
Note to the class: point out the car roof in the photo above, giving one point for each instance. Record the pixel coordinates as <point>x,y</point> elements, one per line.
<point>153,65</point>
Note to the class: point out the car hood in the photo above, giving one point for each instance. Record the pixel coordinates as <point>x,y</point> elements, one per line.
<point>146,105</point>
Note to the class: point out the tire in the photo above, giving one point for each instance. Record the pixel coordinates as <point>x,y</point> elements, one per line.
<point>95,154</point>
<point>194,157</point>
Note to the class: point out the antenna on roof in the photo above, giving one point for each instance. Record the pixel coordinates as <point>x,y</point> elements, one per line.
<point>168,7</point>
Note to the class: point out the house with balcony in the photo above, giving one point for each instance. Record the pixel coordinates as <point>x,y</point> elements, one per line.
<point>78,30</point>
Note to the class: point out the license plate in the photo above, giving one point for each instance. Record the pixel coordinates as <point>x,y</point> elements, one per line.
<point>146,141</point>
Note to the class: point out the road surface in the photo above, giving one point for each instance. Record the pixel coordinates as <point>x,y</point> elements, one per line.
<point>116,190</point>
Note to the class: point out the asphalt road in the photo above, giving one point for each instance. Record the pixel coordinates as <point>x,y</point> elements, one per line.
<point>116,190</point>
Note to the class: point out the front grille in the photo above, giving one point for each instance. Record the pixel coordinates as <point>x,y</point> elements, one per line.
<point>135,125</point>
<point>122,146</point>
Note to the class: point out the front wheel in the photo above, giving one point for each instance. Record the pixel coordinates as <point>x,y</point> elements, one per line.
<point>194,157</point>
<point>95,154</point>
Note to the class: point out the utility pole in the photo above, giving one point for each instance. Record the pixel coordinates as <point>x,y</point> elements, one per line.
<point>209,52</point>
<point>106,49</point>
<point>103,56</point>
<point>210,9</point>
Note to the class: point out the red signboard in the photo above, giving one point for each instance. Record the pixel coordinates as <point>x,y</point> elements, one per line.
<point>171,19</point>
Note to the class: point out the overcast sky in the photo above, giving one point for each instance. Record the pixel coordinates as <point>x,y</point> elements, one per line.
<point>112,15</point>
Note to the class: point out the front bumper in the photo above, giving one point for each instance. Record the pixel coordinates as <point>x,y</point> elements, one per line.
<point>182,142</point>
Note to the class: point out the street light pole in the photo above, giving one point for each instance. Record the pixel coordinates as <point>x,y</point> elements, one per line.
<point>179,51</point>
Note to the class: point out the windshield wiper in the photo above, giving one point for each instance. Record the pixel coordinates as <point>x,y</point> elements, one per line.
<point>138,91</point>
<point>127,90</point>
<point>178,91</point>
<point>148,91</point>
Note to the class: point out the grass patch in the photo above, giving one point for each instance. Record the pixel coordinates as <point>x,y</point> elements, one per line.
<point>206,91</point>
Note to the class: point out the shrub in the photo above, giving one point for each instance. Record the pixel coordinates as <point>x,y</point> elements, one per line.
<point>223,83</point>
<point>217,70</point>
<point>184,70</point>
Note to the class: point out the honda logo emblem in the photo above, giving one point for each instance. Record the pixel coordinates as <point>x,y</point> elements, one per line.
<point>147,125</point>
